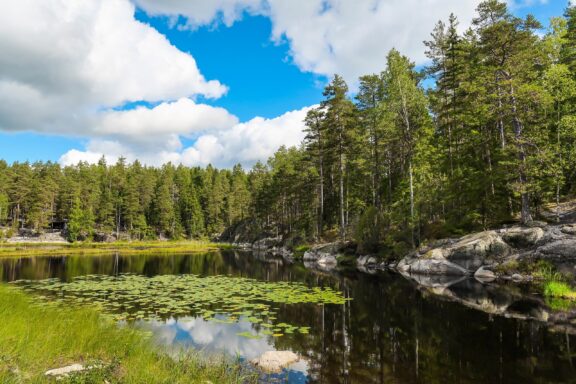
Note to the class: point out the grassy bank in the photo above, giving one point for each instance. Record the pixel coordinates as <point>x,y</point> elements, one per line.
<point>90,248</point>
<point>34,339</point>
<point>559,289</point>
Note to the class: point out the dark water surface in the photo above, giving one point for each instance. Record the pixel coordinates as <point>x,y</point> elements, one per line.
<point>390,332</point>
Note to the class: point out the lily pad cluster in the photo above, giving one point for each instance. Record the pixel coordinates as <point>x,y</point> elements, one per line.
<point>216,298</point>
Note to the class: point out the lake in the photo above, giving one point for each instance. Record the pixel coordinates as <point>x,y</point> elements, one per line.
<point>384,330</point>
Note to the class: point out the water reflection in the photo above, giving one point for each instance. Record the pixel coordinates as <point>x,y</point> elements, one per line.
<point>391,332</point>
<point>214,337</point>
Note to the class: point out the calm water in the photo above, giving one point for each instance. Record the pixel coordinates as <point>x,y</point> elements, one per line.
<point>390,332</point>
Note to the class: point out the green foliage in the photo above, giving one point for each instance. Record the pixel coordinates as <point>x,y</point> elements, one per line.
<point>81,223</point>
<point>369,231</point>
<point>4,204</point>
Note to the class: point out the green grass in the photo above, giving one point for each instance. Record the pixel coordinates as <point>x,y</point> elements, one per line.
<point>559,289</point>
<point>300,250</point>
<point>34,339</point>
<point>91,248</point>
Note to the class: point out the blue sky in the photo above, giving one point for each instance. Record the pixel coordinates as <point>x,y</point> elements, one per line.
<point>264,76</point>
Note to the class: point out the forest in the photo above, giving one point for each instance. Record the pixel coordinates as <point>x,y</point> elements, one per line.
<point>482,136</point>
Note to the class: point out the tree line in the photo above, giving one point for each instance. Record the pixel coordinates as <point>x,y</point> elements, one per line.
<point>484,135</point>
<point>125,199</point>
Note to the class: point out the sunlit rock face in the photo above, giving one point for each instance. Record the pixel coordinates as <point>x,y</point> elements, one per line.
<point>482,253</point>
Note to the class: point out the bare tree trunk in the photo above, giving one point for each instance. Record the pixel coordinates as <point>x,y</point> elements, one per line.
<point>411,203</point>
<point>410,171</point>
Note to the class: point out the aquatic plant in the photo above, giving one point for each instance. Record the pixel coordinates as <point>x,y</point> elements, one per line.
<point>221,299</point>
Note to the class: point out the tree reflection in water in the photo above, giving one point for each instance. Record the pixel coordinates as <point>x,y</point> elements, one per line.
<point>391,331</point>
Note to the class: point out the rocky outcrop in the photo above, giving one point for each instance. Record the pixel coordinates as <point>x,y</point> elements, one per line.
<point>481,254</point>
<point>558,249</point>
<point>484,274</point>
<point>325,255</point>
<point>272,246</point>
<point>470,252</point>
<point>243,232</point>
<point>103,237</point>
<point>431,266</point>
<point>267,243</point>
<point>370,264</point>
<point>28,236</point>
<point>520,237</point>
<point>460,257</point>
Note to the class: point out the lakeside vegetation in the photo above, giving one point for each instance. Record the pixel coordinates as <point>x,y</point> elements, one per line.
<point>35,338</point>
<point>93,248</point>
<point>483,136</point>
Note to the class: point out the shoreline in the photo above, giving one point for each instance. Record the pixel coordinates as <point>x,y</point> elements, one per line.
<point>40,249</point>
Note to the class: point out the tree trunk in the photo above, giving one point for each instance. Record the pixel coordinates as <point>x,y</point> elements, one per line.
<point>500,122</point>
<point>525,215</point>
<point>411,203</point>
<point>342,215</point>
<point>321,216</point>
<point>406,116</point>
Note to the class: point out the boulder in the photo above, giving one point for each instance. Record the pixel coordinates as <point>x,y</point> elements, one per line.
<point>65,371</point>
<point>436,282</point>
<point>267,243</point>
<point>327,260</point>
<point>537,224</point>
<point>484,275</point>
<point>103,237</point>
<point>518,277</point>
<point>323,250</point>
<point>569,229</point>
<point>521,237</point>
<point>283,252</point>
<point>367,262</point>
<point>434,267</point>
<point>275,361</point>
<point>471,251</point>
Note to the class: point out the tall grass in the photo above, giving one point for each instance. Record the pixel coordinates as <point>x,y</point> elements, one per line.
<point>34,339</point>
<point>559,289</point>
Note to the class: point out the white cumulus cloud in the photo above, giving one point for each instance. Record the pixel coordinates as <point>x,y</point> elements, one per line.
<point>350,37</point>
<point>248,142</point>
<point>64,62</point>
<point>70,67</point>
<point>244,143</point>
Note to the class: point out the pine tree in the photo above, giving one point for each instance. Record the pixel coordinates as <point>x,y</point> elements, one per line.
<point>314,143</point>
<point>407,102</point>
<point>369,100</point>
<point>339,135</point>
